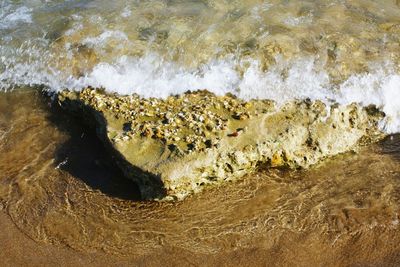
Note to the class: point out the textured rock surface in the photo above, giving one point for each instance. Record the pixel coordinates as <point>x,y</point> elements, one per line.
<point>174,147</point>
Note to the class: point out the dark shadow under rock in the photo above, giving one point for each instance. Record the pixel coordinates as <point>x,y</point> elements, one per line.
<point>84,156</point>
<point>391,146</point>
<point>92,138</point>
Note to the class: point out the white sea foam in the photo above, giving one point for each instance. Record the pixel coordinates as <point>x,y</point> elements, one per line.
<point>297,79</point>
<point>10,19</point>
<point>380,89</point>
<point>150,76</point>
<point>104,37</point>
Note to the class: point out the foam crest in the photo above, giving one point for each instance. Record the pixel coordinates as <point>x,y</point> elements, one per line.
<point>150,76</point>
<point>380,89</point>
<point>298,79</point>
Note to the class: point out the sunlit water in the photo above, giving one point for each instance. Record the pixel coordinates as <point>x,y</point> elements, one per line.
<point>58,184</point>
<point>345,51</point>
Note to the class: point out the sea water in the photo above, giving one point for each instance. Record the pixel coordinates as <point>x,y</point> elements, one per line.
<point>58,185</point>
<point>335,51</point>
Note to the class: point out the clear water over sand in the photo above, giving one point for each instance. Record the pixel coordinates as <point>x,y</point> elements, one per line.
<point>58,186</point>
<point>343,51</point>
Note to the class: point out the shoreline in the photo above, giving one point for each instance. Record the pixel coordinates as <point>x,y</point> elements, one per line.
<point>257,220</point>
<point>200,133</point>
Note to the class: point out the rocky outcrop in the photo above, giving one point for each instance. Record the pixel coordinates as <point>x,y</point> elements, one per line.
<point>174,147</point>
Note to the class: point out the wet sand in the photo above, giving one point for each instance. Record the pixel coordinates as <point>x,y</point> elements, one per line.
<point>62,201</point>
<point>373,248</point>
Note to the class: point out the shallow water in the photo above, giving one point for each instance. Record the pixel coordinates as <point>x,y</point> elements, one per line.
<point>58,187</point>
<point>335,51</point>
<point>163,47</point>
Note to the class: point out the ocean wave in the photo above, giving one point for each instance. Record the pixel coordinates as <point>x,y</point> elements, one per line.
<point>150,76</point>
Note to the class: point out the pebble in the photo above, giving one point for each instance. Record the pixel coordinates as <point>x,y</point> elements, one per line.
<point>194,118</point>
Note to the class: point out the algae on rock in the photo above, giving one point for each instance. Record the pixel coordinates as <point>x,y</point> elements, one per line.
<point>173,147</point>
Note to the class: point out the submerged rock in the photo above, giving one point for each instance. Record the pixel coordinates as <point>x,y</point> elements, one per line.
<point>174,147</point>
